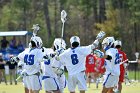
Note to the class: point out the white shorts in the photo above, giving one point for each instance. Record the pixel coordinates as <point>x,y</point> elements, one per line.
<point>62,81</point>
<point>51,84</point>
<point>34,82</point>
<point>24,80</point>
<point>77,79</point>
<point>110,81</point>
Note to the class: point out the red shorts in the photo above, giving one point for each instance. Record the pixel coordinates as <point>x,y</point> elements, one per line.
<point>121,77</point>
<point>90,70</point>
<point>102,71</point>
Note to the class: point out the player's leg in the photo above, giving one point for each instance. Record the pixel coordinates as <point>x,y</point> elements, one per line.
<point>71,83</point>
<point>120,87</point>
<point>121,79</point>
<point>35,83</point>
<point>108,83</point>
<point>96,78</point>
<point>62,82</point>
<point>51,84</point>
<point>88,79</point>
<point>26,90</point>
<point>105,90</point>
<point>36,91</point>
<point>24,80</point>
<point>30,91</point>
<point>110,90</point>
<point>81,82</point>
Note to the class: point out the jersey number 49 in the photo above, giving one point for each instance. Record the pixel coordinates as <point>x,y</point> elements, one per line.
<point>29,59</point>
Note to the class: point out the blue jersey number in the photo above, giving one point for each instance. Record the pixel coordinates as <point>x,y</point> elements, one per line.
<point>29,59</point>
<point>47,62</point>
<point>74,59</point>
<point>117,60</point>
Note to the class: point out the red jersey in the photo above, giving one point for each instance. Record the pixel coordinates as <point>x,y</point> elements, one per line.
<point>100,65</point>
<point>90,63</point>
<point>123,59</point>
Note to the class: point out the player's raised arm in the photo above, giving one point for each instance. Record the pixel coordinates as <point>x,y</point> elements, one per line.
<point>100,35</point>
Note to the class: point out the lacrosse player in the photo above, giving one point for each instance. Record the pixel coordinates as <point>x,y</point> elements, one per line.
<point>74,60</point>
<point>123,60</point>
<point>51,83</point>
<point>32,58</point>
<point>58,67</point>
<point>99,66</point>
<point>112,66</point>
<point>90,65</point>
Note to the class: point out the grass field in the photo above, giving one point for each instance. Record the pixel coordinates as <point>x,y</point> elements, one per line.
<point>133,88</point>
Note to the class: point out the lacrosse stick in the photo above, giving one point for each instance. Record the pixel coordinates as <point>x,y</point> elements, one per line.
<point>21,75</point>
<point>18,78</point>
<point>123,61</point>
<point>63,19</point>
<point>35,28</point>
<point>100,35</point>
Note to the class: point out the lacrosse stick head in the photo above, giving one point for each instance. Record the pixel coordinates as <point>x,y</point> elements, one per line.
<point>35,28</point>
<point>63,16</point>
<point>100,35</point>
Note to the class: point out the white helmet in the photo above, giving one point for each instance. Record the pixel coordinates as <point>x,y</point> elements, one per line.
<point>74,39</point>
<point>59,43</point>
<point>117,42</point>
<point>108,42</point>
<point>37,40</point>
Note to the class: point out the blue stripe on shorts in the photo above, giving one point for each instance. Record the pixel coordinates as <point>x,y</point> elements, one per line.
<point>106,79</point>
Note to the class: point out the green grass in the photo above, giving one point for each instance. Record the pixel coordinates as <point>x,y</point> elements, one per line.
<point>133,88</point>
<point>132,74</point>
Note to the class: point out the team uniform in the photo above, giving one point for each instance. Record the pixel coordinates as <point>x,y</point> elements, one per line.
<point>50,79</point>
<point>112,66</point>
<point>32,59</point>
<point>74,60</point>
<point>99,65</point>
<point>60,75</point>
<point>90,63</point>
<point>123,58</point>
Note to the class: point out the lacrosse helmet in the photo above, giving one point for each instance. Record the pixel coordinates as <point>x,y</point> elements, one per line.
<point>37,40</point>
<point>75,39</point>
<point>108,42</point>
<point>117,42</point>
<point>59,43</point>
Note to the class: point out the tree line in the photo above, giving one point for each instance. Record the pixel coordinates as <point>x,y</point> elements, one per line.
<point>118,18</point>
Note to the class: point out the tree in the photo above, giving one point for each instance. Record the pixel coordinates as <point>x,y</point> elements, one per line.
<point>47,19</point>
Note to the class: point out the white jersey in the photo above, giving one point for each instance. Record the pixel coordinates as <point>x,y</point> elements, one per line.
<point>32,59</point>
<point>47,65</point>
<point>74,58</point>
<point>112,66</point>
